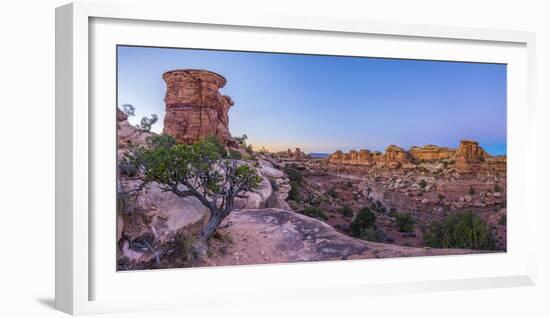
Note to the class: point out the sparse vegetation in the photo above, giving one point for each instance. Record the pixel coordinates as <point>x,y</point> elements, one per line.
<point>346,211</point>
<point>199,171</point>
<point>294,193</point>
<point>460,230</point>
<point>497,188</point>
<point>364,220</point>
<point>235,154</point>
<point>220,147</point>
<point>502,220</point>
<point>332,193</point>
<point>471,191</point>
<point>241,140</point>
<point>404,222</point>
<point>440,196</point>
<point>146,123</point>
<point>294,175</point>
<point>315,212</point>
<point>422,183</point>
<point>129,110</point>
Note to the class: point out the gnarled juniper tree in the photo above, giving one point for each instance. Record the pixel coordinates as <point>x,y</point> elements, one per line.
<point>199,170</point>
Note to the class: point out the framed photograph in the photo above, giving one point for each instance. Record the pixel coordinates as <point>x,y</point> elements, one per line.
<point>252,158</point>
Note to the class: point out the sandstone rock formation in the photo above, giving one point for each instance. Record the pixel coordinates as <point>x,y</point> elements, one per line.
<point>282,236</point>
<point>194,106</point>
<point>469,157</point>
<point>298,154</point>
<point>431,153</point>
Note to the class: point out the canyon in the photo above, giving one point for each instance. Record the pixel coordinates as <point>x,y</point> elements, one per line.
<point>274,223</point>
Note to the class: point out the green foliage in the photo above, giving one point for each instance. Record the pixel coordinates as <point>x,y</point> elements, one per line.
<point>294,193</point>
<point>364,219</point>
<point>404,222</point>
<point>422,183</point>
<point>332,192</point>
<point>146,122</point>
<point>294,175</point>
<point>234,154</point>
<point>198,167</point>
<point>241,140</point>
<point>181,249</point>
<point>346,211</point>
<point>315,212</point>
<point>460,230</point>
<point>373,235</point>
<point>160,141</point>
<point>129,110</point>
<point>127,168</point>
<point>217,143</point>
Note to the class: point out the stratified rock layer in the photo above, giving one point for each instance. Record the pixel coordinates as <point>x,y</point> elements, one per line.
<point>469,157</point>
<point>194,106</point>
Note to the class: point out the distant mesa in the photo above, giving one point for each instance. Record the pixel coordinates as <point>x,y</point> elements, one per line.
<point>469,156</point>
<point>298,154</point>
<point>194,106</point>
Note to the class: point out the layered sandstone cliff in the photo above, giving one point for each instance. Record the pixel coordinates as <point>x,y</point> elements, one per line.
<point>468,157</point>
<point>194,106</point>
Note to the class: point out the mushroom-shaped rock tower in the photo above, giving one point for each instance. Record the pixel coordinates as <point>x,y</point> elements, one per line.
<point>194,106</point>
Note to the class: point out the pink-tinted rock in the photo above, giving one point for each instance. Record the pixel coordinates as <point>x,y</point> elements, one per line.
<point>194,106</point>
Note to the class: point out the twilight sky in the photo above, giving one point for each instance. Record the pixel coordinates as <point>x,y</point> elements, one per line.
<point>325,103</point>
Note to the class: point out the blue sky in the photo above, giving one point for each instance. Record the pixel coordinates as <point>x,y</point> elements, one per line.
<point>325,103</point>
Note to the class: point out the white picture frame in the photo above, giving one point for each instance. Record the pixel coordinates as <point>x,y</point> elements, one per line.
<point>76,136</point>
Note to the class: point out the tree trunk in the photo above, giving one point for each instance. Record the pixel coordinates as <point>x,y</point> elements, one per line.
<point>216,218</point>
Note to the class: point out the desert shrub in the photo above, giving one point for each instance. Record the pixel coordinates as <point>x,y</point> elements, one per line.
<point>331,192</point>
<point>471,191</point>
<point>315,212</point>
<point>364,219</point>
<point>422,183</point>
<point>460,230</point>
<point>373,235</point>
<point>378,206</point>
<point>294,175</point>
<point>294,193</point>
<point>249,149</point>
<point>502,220</point>
<point>128,109</point>
<point>404,222</point>
<point>241,140</point>
<point>346,211</point>
<point>497,188</point>
<point>181,250</point>
<point>146,123</point>
<point>198,171</point>
<point>220,147</point>
<point>234,154</point>
<point>160,141</point>
<point>440,196</point>
<point>127,168</point>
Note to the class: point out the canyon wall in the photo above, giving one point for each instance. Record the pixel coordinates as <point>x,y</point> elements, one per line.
<point>468,157</point>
